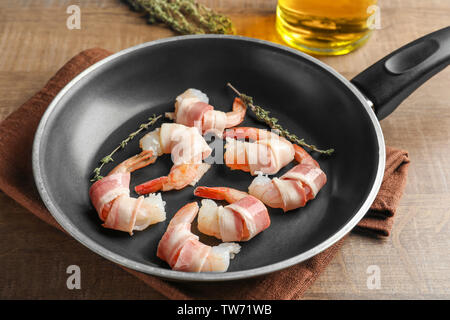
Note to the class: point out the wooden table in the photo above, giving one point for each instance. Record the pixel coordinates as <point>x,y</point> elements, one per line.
<point>414,262</point>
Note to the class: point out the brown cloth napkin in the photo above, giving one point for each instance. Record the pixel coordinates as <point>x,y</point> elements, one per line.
<point>16,180</point>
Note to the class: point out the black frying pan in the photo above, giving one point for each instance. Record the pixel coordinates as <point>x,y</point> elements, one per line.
<point>101,106</point>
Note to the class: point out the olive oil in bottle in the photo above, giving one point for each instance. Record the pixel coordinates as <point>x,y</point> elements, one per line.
<point>327,27</point>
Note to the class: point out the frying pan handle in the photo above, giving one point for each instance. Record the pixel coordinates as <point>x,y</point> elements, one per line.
<point>392,79</point>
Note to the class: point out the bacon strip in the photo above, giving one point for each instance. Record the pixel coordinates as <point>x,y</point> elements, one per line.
<point>214,121</point>
<point>267,153</point>
<point>309,175</point>
<point>173,241</point>
<point>183,251</point>
<point>231,225</point>
<point>177,233</point>
<point>292,194</point>
<point>253,213</point>
<point>192,256</point>
<point>238,221</point>
<point>107,189</point>
<point>191,115</point>
<point>122,215</point>
<point>185,144</point>
<point>293,189</point>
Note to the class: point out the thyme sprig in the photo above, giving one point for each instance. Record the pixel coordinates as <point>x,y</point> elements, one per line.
<point>184,16</point>
<point>107,159</point>
<point>263,116</point>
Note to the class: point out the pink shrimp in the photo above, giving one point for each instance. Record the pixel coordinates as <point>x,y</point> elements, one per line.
<point>111,198</point>
<point>293,189</point>
<point>192,109</point>
<point>183,251</point>
<point>241,220</point>
<point>188,149</point>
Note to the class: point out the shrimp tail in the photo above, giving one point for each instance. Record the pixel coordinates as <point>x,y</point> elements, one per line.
<point>303,157</point>
<point>217,193</point>
<point>220,193</point>
<point>134,163</point>
<point>170,115</point>
<point>151,186</point>
<point>239,105</point>
<point>236,116</point>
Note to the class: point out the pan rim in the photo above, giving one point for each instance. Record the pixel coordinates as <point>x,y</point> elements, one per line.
<point>202,277</point>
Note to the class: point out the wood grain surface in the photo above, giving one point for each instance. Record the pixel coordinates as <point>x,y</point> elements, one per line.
<point>414,262</point>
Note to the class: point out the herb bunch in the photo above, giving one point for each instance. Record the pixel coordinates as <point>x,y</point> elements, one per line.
<point>263,116</point>
<point>96,173</point>
<point>184,16</point>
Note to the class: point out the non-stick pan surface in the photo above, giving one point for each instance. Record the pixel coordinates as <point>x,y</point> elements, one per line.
<point>108,101</point>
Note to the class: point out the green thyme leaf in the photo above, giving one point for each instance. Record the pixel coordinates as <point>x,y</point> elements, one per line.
<point>184,16</point>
